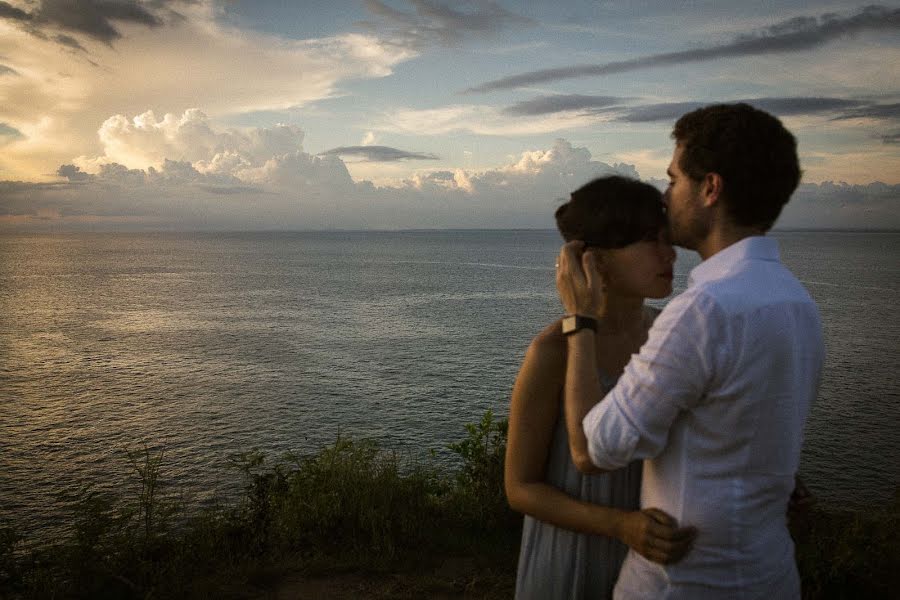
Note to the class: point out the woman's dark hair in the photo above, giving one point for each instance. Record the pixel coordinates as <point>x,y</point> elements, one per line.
<point>612,212</point>
<point>750,149</point>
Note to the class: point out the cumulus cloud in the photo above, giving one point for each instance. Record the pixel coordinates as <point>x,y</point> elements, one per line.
<point>58,99</point>
<point>284,187</point>
<point>73,173</point>
<point>794,35</point>
<point>147,140</point>
<point>379,153</point>
<point>297,190</point>
<point>440,22</point>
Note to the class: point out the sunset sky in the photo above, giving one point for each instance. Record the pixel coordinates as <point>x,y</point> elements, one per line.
<point>387,114</point>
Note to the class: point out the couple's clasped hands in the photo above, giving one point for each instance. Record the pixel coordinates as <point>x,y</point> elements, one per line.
<point>656,535</point>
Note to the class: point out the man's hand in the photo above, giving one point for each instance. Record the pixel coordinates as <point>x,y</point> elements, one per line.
<point>579,281</point>
<point>656,536</point>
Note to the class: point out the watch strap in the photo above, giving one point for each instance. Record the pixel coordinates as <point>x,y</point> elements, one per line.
<point>573,323</point>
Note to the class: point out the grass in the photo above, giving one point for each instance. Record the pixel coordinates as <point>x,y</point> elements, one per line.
<point>354,508</point>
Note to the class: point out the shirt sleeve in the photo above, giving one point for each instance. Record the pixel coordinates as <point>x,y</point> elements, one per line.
<point>669,375</point>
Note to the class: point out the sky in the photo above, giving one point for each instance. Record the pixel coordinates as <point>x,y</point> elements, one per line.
<point>395,114</point>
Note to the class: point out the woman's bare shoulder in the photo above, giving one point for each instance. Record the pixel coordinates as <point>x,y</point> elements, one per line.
<point>549,343</point>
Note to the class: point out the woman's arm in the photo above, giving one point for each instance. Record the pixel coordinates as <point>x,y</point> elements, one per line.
<point>532,416</point>
<point>534,410</point>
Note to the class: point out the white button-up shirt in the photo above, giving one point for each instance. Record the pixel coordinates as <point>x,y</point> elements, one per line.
<point>715,403</point>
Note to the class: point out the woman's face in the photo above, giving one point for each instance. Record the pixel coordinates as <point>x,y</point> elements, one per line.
<point>642,269</point>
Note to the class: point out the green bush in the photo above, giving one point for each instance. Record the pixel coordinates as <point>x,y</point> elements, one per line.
<point>356,505</point>
<point>844,554</point>
<point>479,493</point>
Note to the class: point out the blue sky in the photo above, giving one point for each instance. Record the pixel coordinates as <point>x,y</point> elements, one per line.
<point>420,113</point>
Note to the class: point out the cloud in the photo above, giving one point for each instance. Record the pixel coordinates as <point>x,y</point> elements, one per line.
<point>890,138</point>
<point>873,111</point>
<point>560,103</point>
<point>4,70</point>
<point>73,173</point>
<point>59,98</point>
<point>840,108</point>
<point>67,40</point>
<point>92,18</point>
<point>146,141</point>
<point>481,120</point>
<point>378,153</point>
<point>297,190</point>
<point>7,11</point>
<point>431,21</point>
<point>794,35</point>
<point>9,134</point>
<point>841,205</point>
<point>368,139</point>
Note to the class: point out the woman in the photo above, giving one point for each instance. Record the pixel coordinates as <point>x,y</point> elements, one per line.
<point>577,525</point>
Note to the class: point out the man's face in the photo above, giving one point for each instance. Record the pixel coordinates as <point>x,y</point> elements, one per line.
<point>688,221</point>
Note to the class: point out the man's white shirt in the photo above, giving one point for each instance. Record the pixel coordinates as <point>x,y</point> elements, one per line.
<point>715,403</point>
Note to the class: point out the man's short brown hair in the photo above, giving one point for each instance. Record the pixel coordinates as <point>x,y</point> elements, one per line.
<point>750,149</point>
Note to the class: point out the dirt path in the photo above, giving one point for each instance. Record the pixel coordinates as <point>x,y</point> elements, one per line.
<point>456,578</point>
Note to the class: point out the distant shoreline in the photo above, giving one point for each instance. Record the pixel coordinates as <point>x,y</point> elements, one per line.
<point>46,230</point>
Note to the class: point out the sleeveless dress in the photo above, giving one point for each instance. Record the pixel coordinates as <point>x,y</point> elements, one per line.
<point>556,563</point>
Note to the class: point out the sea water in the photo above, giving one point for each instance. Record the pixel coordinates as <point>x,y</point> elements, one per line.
<point>204,345</point>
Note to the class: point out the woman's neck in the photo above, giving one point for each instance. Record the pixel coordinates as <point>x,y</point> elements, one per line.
<point>621,316</point>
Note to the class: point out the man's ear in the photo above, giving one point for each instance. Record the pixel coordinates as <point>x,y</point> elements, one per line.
<point>711,189</point>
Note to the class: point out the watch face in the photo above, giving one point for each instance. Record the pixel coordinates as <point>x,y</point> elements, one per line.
<point>569,324</point>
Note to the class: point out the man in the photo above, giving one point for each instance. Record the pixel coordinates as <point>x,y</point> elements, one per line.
<point>716,399</point>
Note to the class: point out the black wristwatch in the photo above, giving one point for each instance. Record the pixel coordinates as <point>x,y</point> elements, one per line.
<point>573,323</point>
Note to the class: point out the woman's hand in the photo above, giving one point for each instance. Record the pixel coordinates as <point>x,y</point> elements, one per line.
<point>656,536</point>
<point>579,280</point>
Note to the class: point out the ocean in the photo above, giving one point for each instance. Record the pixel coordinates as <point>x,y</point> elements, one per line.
<point>210,344</point>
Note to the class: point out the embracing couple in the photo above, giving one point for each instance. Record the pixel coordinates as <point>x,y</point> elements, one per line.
<point>654,453</point>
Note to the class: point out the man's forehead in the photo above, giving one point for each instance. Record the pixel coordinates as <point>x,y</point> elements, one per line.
<point>676,156</point>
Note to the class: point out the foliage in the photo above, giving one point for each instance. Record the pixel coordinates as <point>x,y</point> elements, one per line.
<point>850,554</point>
<point>360,507</point>
<point>479,491</point>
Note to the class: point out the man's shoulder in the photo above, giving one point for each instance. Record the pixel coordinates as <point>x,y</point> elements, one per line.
<point>752,285</point>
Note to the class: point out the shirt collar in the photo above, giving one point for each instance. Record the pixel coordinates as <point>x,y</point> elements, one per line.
<point>719,264</point>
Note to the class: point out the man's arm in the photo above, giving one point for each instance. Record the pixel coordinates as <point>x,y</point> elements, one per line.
<point>669,375</point>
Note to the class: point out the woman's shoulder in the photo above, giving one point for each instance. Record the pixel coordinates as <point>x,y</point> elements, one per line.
<point>549,342</point>
<point>551,336</point>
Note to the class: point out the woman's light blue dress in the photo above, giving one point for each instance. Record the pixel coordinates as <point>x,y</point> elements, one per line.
<point>556,563</point>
